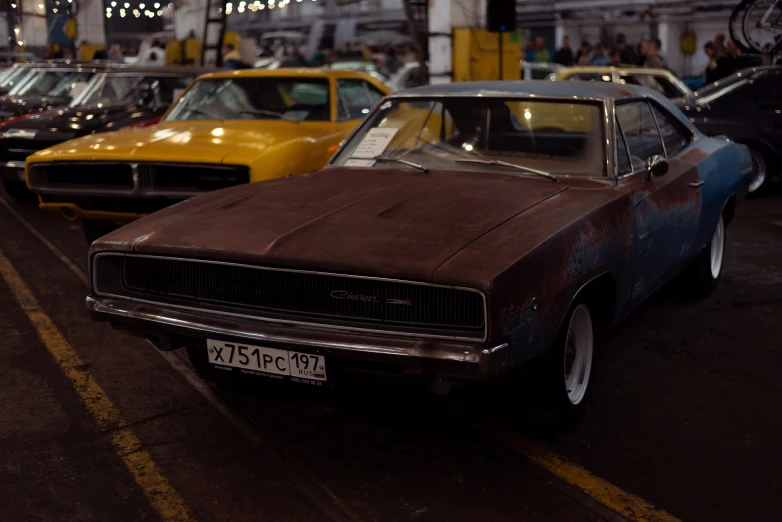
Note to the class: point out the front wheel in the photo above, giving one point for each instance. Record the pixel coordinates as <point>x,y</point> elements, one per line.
<point>707,268</point>
<point>567,369</point>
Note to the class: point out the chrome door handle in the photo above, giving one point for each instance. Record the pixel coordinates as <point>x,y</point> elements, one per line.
<point>696,184</point>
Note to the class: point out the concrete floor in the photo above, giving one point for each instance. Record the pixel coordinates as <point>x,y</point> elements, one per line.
<point>684,414</point>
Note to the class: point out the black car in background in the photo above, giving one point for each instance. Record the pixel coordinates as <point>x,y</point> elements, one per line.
<point>747,108</point>
<point>48,87</point>
<point>113,99</point>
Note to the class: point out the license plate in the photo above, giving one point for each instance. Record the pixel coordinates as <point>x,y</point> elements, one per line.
<point>300,367</point>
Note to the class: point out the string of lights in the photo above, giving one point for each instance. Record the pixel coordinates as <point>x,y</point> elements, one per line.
<point>151,10</point>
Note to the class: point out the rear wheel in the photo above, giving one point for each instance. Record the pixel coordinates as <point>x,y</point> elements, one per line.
<point>761,171</point>
<point>94,230</point>
<point>567,369</point>
<point>18,191</point>
<point>706,270</point>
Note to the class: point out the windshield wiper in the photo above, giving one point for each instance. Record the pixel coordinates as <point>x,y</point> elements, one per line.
<point>541,173</point>
<point>263,112</point>
<point>418,166</point>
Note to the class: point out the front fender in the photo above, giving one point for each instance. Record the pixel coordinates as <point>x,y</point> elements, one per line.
<point>529,301</point>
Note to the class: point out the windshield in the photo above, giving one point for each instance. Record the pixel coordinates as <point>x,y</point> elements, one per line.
<point>129,89</point>
<point>14,75</point>
<point>255,98</point>
<point>552,136</point>
<point>54,82</point>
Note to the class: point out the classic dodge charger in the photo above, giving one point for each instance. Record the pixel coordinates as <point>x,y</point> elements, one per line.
<point>130,97</point>
<point>461,231</point>
<point>228,128</point>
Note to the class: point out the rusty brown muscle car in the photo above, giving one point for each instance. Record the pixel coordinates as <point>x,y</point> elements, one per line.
<point>461,231</point>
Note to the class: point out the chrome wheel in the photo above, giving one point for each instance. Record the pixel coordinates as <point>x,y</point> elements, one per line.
<point>717,249</point>
<point>759,170</point>
<point>579,345</point>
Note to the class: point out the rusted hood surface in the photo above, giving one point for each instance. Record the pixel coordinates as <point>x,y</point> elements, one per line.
<point>392,223</point>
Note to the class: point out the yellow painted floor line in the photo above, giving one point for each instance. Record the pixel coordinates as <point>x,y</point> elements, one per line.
<point>616,499</point>
<point>163,497</point>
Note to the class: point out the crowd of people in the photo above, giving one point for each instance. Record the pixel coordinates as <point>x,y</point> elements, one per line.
<point>724,57</point>
<point>646,54</point>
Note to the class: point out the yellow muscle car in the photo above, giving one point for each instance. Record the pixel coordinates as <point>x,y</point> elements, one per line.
<point>226,129</point>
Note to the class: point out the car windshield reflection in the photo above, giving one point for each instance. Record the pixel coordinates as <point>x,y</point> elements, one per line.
<point>255,98</point>
<point>54,82</point>
<point>131,89</point>
<point>559,137</point>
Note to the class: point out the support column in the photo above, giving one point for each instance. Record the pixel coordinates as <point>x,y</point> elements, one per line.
<point>32,29</point>
<point>444,16</point>
<point>190,17</point>
<point>91,21</point>
<point>560,32</point>
<point>440,41</point>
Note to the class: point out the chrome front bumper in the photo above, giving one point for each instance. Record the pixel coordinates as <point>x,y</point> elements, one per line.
<point>175,328</point>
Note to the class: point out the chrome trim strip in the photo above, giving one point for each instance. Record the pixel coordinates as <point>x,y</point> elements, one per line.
<point>465,359</point>
<point>14,164</point>
<point>97,292</point>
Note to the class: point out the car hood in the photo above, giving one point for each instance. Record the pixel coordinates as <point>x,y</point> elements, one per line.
<point>86,119</point>
<point>16,105</point>
<point>390,223</point>
<point>234,142</point>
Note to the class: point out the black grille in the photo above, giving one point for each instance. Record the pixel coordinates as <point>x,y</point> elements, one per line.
<point>200,178</point>
<point>355,299</point>
<point>74,175</point>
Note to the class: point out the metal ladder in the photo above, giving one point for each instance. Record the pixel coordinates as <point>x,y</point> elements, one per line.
<point>214,33</point>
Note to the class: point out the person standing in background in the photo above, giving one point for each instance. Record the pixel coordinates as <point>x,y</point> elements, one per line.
<point>529,51</point>
<point>719,66</point>
<point>599,56</point>
<point>564,56</point>
<point>542,55</point>
<point>653,58</point>
<point>392,62</point>
<point>741,61</point>
<point>298,58</point>
<point>232,59</point>
<point>582,57</point>
<point>115,53</point>
<point>719,42</point>
<point>627,54</point>
<point>318,58</point>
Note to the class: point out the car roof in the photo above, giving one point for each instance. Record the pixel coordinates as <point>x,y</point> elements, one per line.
<point>184,70</point>
<point>302,72</point>
<point>612,69</point>
<point>543,88</point>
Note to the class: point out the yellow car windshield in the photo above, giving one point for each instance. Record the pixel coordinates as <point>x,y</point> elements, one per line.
<point>559,137</point>
<point>254,98</point>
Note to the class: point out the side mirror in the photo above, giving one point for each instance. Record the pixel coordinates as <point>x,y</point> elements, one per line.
<point>656,166</point>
